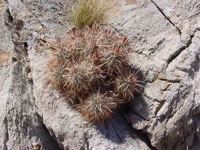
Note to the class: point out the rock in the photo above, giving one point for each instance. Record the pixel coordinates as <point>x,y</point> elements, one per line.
<point>6,44</point>
<point>44,115</point>
<point>20,124</point>
<point>164,36</point>
<point>167,42</point>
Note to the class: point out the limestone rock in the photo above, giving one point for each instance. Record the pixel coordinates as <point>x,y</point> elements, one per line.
<point>164,36</point>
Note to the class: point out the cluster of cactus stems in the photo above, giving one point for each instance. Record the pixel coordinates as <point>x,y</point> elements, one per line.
<point>91,66</point>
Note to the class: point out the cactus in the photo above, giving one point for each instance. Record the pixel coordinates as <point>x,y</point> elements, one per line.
<point>80,77</point>
<point>115,60</point>
<point>89,62</point>
<point>97,107</point>
<point>126,86</point>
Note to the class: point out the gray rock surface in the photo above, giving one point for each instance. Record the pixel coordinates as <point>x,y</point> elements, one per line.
<point>6,44</point>
<point>165,38</point>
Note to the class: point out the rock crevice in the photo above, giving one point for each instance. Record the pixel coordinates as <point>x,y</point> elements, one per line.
<point>164,116</point>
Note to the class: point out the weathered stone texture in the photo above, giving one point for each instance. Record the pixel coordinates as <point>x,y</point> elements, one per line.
<point>164,36</point>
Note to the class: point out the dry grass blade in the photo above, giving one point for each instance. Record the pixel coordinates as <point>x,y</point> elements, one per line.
<point>88,12</point>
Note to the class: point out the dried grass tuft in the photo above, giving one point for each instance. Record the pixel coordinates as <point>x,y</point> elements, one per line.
<point>88,12</point>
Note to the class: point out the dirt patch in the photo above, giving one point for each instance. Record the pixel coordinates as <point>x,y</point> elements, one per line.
<point>131,1</point>
<point>1,3</point>
<point>4,56</point>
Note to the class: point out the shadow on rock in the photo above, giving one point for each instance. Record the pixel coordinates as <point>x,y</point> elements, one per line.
<point>118,129</point>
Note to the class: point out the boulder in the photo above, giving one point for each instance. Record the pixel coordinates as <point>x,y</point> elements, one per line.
<point>164,36</point>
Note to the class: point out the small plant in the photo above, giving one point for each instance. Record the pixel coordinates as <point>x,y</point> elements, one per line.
<point>90,66</point>
<point>80,78</point>
<point>97,107</point>
<point>126,86</point>
<point>77,78</point>
<point>115,60</point>
<point>88,12</point>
